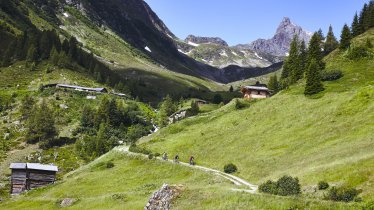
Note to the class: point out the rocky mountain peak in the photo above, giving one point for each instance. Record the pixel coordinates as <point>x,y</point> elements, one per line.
<point>205,40</point>
<point>279,45</point>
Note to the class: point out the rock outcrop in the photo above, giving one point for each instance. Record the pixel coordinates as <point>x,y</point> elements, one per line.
<point>162,199</point>
<point>205,40</point>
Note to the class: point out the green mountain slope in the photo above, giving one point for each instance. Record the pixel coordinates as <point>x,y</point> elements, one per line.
<point>327,137</point>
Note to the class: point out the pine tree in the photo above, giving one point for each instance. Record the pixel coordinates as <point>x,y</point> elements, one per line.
<point>303,59</point>
<point>331,43</point>
<point>273,84</point>
<point>231,89</point>
<point>54,56</point>
<point>194,108</point>
<point>41,124</point>
<point>9,53</point>
<point>321,35</point>
<point>364,19</point>
<point>355,26</point>
<point>313,79</point>
<point>32,54</point>
<point>286,70</point>
<point>371,14</point>
<point>45,44</point>
<point>345,38</point>
<point>293,60</point>
<point>315,52</point>
<point>166,109</point>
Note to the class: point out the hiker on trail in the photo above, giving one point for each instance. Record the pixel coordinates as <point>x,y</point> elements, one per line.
<point>165,156</point>
<point>192,160</point>
<point>176,158</point>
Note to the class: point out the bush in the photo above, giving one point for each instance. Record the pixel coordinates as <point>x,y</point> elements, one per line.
<point>217,98</point>
<point>109,164</point>
<point>342,194</point>
<point>332,75</point>
<point>322,185</point>
<point>230,168</point>
<point>135,149</point>
<point>285,186</point>
<point>357,53</point>
<point>150,156</point>
<point>157,154</point>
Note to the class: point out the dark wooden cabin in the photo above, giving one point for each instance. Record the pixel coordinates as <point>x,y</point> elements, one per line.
<point>28,176</point>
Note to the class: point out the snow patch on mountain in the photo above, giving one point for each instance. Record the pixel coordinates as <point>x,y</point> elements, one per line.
<point>193,44</point>
<point>147,48</point>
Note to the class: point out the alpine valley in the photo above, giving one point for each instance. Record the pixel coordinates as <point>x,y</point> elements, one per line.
<point>102,106</point>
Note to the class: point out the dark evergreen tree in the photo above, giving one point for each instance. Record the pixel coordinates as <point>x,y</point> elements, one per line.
<point>194,110</point>
<point>364,19</point>
<point>293,60</point>
<point>315,52</point>
<point>321,35</point>
<point>217,98</point>
<point>313,79</point>
<point>73,48</point>
<point>345,38</point>
<point>331,42</point>
<point>9,54</point>
<point>45,45</point>
<point>41,124</point>
<point>273,84</point>
<point>32,54</point>
<point>303,59</point>
<point>65,46</point>
<point>356,30</point>
<point>231,89</point>
<point>54,56</point>
<point>286,70</point>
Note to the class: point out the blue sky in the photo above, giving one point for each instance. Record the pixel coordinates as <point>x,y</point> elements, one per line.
<point>243,21</point>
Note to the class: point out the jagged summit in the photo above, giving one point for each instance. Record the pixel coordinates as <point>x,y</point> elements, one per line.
<point>280,43</point>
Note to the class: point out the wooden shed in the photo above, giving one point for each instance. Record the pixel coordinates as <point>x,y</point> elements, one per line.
<point>28,176</point>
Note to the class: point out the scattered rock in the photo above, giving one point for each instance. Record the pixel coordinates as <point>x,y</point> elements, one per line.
<point>63,106</point>
<point>162,199</point>
<point>67,202</point>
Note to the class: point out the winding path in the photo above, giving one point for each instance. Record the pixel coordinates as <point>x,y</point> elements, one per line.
<point>251,188</point>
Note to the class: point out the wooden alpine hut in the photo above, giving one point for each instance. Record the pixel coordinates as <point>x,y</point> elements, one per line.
<point>28,176</point>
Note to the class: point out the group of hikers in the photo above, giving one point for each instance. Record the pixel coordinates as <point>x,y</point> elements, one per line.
<point>176,158</point>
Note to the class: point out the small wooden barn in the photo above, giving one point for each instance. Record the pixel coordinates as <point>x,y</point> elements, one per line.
<point>250,92</point>
<point>28,176</point>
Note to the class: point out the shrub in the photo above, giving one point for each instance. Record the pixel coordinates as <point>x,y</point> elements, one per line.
<point>322,185</point>
<point>332,75</point>
<point>285,186</point>
<point>135,149</point>
<point>157,154</point>
<point>230,168</point>
<point>150,156</point>
<point>269,187</point>
<point>109,164</point>
<point>342,194</point>
<point>217,98</point>
<point>358,52</point>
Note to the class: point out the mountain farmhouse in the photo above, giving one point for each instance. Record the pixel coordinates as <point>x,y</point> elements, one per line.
<point>252,92</point>
<point>28,176</point>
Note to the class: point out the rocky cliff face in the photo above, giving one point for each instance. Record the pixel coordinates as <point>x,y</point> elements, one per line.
<point>279,45</point>
<point>205,40</point>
